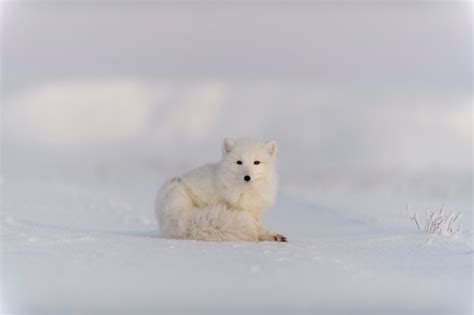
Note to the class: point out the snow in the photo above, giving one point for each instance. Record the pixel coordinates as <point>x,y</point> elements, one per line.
<point>92,245</point>
<point>372,128</point>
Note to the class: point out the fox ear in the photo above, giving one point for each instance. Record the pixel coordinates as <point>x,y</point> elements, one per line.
<point>271,147</point>
<point>228,145</point>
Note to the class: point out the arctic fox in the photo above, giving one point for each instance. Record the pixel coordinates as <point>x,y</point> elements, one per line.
<point>223,201</point>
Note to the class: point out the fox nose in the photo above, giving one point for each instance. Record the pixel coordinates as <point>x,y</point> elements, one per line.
<point>247,178</point>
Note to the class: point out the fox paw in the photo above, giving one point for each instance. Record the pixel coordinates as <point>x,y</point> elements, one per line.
<point>279,238</point>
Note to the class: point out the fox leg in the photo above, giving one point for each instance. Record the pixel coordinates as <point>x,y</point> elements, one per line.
<point>264,234</point>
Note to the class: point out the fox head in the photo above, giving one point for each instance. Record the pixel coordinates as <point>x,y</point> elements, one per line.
<point>249,161</point>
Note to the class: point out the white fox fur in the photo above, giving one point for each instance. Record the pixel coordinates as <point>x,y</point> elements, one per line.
<point>222,201</point>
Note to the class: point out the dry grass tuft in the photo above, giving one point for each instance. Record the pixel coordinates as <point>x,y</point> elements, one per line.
<point>439,222</point>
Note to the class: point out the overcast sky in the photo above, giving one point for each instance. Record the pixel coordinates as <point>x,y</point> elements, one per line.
<point>406,43</point>
<point>351,91</point>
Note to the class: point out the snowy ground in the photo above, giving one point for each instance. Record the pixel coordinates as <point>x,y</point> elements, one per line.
<point>92,246</point>
<point>102,101</point>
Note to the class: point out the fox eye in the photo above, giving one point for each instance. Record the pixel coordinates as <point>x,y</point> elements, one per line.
<point>256,162</point>
<point>239,162</point>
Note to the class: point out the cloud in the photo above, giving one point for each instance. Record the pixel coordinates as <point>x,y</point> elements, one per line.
<point>77,113</point>
<point>103,113</point>
<point>339,128</point>
<point>189,113</point>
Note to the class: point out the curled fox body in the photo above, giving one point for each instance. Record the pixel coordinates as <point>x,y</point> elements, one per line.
<point>223,201</point>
